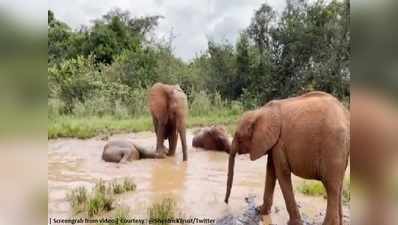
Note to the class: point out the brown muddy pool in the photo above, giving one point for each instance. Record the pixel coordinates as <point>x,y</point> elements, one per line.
<point>198,185</point>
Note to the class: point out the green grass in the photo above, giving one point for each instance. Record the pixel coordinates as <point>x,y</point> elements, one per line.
<point>120,215</point>
<point>347,191</point>
<point>315,188</point>
<point>129,185</point>
<point>77,199</point>
<point>99,202</point>
<point>101,197</point>
<point>312,188</point>
<point>71,126</point>
<point>159,212</point>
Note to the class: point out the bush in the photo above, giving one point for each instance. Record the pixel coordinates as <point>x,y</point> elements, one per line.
<point>55,108</point>
<point>201,103</point>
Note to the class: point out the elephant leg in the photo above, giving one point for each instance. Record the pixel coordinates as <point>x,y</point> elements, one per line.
<point>155,124</point>
<point>283,174</point>
<point>126,156</point>
<point>270,181</point>
<point>160,148</point>
<point>184,144</point>
<point>341,205</point>
<point>333,209</point>
<point>172,143</point>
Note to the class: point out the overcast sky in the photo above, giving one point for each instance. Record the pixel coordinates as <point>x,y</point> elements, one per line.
<point>193,22</point>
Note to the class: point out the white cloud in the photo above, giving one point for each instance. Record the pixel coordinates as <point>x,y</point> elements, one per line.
<point>191,21</point>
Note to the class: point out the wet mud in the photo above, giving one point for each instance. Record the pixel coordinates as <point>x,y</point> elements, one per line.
<point>198,185</point>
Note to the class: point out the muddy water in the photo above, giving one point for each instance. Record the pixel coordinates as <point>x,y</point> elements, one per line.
<point>198,186</point>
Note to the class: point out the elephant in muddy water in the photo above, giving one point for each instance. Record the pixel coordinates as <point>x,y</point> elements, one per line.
<point>169,108</point>
<point>212,138</point>
<point>308,136</point>
<point>123,151</point>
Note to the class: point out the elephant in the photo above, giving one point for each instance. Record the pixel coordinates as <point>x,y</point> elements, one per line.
<point>120,151</point>
<point>308,136</point>
<point>212,138</point>
<point>169,109</point>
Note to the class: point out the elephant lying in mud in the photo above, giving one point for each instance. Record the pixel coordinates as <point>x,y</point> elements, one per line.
<point>212,138</point>
<point>120,151</point>
<point>308,136</point>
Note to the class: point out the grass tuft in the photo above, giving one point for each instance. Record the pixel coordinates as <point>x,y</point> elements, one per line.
<point>101,197</point>
<point>120,215</point>
<point>77,198</point>
<point>129,185</point>
<point>98,203</point>
<point>160,212</point>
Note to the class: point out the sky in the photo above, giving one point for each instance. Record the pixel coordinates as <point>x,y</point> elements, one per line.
<point>192,22</point>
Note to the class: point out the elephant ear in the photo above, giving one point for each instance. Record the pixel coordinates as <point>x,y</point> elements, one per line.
<point>266,131</point>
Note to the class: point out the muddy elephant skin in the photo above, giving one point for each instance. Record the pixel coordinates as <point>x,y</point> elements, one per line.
<point>169,109</point>
<point>121,151</point>
<point>212,138</point>
<point>308,136</point>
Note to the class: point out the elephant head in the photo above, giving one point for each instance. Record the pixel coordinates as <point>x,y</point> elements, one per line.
<point>257,132</point>
<point>212,138</point>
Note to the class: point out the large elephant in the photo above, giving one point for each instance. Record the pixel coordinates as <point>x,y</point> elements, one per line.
<point>169,108</point>
<point>308,136</point>
<point>212,138</point>
<point>123,151</point>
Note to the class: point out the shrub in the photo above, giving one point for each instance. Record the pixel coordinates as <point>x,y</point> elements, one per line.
<point>201,103</point>
<point>55,108</point>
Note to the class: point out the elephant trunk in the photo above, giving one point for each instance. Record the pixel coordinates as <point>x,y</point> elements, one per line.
<point>231,165</point>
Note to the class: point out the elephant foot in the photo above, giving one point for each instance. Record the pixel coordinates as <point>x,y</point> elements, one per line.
<point>161,155</point>
<point>170,153</point>
<point>295,222</point>
<point>162,150</point>
<point>331,221</point>
<point>264,209</point>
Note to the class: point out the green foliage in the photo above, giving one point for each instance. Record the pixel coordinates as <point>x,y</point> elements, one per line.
<point>316,188</point>
<point>120,215</point>
<point>312,188</point>
<point>103,71</point>
<point>162,211</point>
<point>98,203</point>
<point>72,126</point>
<point>77,198</point>
<point>129,185</point>
<point>347,191</point>
<point>101,197</point>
